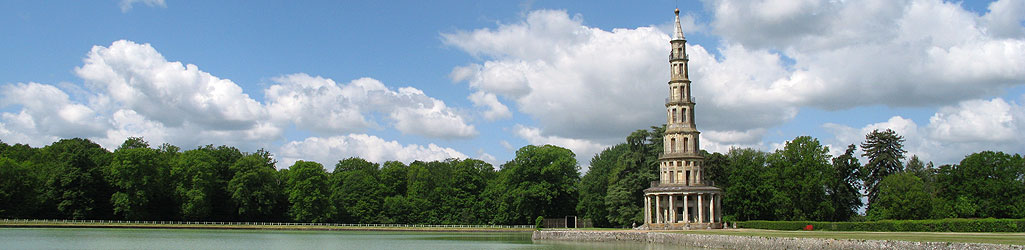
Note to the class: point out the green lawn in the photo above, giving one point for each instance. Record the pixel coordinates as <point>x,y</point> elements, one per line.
<point>995,238</point>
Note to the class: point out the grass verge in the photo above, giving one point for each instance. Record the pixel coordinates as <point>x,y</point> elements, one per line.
<point>993,238</point>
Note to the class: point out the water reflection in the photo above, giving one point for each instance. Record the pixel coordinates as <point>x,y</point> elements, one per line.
<point>92,238</point>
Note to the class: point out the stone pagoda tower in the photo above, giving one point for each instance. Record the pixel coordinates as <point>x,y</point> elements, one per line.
<point>681,198</point>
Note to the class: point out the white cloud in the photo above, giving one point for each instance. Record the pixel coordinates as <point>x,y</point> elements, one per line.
<point>578,82</point>
<point>330,150</point>
<point>132,91</point>
<point>952,133</point>
<point>774,57</point>
<point>321,105</point>
<point>138,77</point>
<point>584,149</point>
<point>47,113</point>
<point>496,110</point>
<point>126,5</point>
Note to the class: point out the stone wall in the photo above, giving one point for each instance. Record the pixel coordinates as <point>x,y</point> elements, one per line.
<point>752,242</point>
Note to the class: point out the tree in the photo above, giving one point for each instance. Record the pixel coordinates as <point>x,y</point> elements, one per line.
<point>355,191</point>
<point>634,171</point>
<point>138,175</point>
<point>594,185</point>
<point>985,184</point>
<point>747,196</point>
<point>255,189</point>
<point>843,187</point>
<point>540,181</point>
<point>77,187</point>
<point>902,196</point>
<point>885,151</point>
<point>195,184</point>
<point>17,190</point>
<point>801,172</point>
<point>308,192</point>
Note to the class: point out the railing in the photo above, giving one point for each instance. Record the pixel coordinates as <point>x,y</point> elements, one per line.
<point>670,99</point>
<point>242,223</point>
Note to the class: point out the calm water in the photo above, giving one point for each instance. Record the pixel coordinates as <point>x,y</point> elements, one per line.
<point>92,238</point>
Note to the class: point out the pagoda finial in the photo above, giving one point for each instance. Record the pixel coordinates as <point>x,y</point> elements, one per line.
<point>679,29</point>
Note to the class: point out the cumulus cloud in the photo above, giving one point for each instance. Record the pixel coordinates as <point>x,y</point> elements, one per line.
<point>319,104</point>
<point>138,77</point>
<point>329,150</point>
<point>131,90</point>
<point>126,5</point>
<point>774,57</point>
<point>952,132</point>
<point>495,109</point>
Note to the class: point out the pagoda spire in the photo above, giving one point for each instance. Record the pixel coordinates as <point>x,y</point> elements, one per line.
<point>679,29</point>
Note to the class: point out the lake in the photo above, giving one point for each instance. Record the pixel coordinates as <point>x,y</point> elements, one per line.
<point>122,238</point>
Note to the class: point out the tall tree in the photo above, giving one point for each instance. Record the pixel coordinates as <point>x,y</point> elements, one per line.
<point>902,196</point>
<point>540,181</point>
<point>77,186</point>
<point>885,151</point>
<point>195,183</point>
<point>18,196</point>
<point>255,188</point>
<point>634,171</point>
<point>308,192</point>
<point>985,184</point>
<point>750,187</point>
<point>138,174</point>
<point>843,187</point>
<point>355,191</point>
<point>594,185</point>
<point>801,172</point>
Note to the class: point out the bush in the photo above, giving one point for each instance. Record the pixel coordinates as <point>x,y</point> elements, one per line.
<point>941,225</point>
<point>539,223</point>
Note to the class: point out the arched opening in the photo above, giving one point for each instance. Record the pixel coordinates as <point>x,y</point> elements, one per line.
<point>673,118</point>
<point>683,114</point>
<point>685,140</point>
<point>672,145</point>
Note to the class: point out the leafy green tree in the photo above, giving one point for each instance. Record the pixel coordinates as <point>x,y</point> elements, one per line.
<point>801,172</point>
<point>540,181</point>
<point>138,175</point>
<point>594,185</point>
<point>76,185</point>
<point>355,191</point>
<point>902,196</point>
<point>885,151</point>
<point>747,196</point>
<point>634,171</point>
<point>224,158</point>
<point>255,189</point>
<point>195,184</point>
<point>985,184</point>
<point>308,192</point>
<point>843,187</point>
<point>18,195</point>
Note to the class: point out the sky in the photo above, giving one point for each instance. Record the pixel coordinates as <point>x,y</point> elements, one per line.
<point>431,80</point>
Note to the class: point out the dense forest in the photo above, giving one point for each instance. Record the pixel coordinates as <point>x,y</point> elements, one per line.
<point>78,179</point>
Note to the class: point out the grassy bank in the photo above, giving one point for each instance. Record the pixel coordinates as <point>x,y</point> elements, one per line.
<point>259,226</point>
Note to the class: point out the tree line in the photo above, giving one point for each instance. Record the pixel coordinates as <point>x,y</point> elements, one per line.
<point>78,179</point>
<point>802,181</point>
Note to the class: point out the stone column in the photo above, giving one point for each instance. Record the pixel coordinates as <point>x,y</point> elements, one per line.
<point>711,208</point>
<point>686,217</point>
<point>658,209</point>
<point>701,210</point>
<point>672,208</point>
<point>647,210</point>
<point>718,207</point>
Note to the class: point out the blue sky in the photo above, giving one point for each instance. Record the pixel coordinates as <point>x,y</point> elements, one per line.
<point>406,80</point>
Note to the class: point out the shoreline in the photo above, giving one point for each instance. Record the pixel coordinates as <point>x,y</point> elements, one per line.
<point>266,227</point>
<point>726,241</point>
